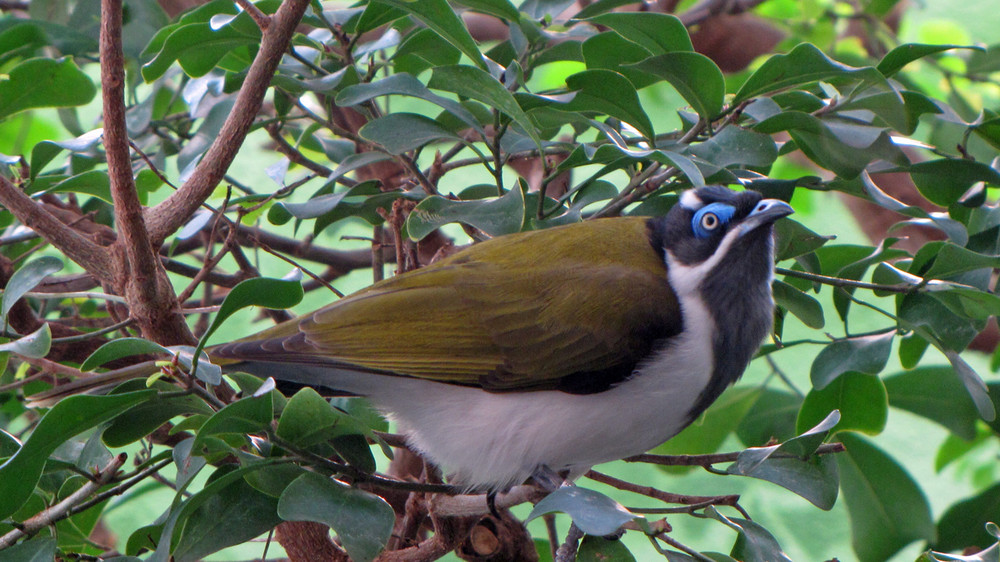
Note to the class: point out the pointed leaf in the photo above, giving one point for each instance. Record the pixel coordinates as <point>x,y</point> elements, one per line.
<point>695,77</point>
<point>936,394</point>
<point>904,54</point>
<point>755,543</point>
<point>438,15</point>
<point>119,348</point>
<point>803,306</point>
<point>656,32</point>
<point>404,85</point>
<point>400,132</point>
<point>609,93</point>
<point>477,84</point>
<point>861,400</point>
<point>363,521</point>
<point>69,417</point>
<point>44,82</point>
<point>593,512</point>
<point>802,65</point>
<point>495,217</point>
<point>888,510</point>
<point>26,278</point>
<point>865,354</point>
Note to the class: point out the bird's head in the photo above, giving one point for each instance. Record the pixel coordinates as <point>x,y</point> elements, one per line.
<point>714,230</point>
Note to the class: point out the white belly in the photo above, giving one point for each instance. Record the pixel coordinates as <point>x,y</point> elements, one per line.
<point>495,440</point>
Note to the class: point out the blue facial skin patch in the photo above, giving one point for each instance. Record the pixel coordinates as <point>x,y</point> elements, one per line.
<point>722,211</point>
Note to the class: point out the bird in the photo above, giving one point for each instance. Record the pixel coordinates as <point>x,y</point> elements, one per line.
<point>547,351</point>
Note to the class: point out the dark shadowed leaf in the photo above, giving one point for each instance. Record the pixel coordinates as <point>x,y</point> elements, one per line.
<point>593,512</point>
<point>792,239</point>
<point>495,217</point>
<point>974,385</point>
<point>26,278</point>
<point>231,515</point>
<point>963,525</point>
<point>405,85</point>
<point>363,521</point>
<point>888,509</point>
<point>754,543</point>
<point>600,549</point>
<point>479,85</point>
<point>502,9</point>
<point>247,415</point>
<point>439,16</point>
<point>39,549</point>
<point>736,146</point>
<point>944,181</point>
<point>400,132</point>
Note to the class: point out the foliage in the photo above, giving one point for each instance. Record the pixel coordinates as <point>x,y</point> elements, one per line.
<point>390,120</point>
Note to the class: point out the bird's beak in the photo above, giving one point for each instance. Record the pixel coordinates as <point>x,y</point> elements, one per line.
<point>766,212</point>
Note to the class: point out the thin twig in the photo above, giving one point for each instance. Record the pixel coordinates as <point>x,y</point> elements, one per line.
<point>62,509</point>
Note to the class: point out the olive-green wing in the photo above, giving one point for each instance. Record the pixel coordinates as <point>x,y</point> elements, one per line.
<point>522,312</point>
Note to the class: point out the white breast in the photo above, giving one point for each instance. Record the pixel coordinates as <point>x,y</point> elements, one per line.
<point>495,440</point>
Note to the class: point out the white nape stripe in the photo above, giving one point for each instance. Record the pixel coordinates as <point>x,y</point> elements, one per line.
<point>690,200</point>
<point>685,279</point>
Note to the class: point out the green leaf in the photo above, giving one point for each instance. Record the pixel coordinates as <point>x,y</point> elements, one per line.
<point>477,84</point>
<point>145,418</point>
<point>963,524</point>
<point>794,240</point>
<point>198,47</point>
<point>974,385</point>
<point>495,217</point>
<point>861,400</point>
<point>814,477</point>
<point>803,306</point>
<point>944,181</point>
<point>904,54</point>
<point>231,515</point>
<point>593,512</point>
<point>43,152</point>
<point>308,417</point>
<point>400,132</point>
<point>69,417</point>
<point>38,549</point>
<point>260,291</point>
<point>736,146</point>
<point>26,278</point>
<point>887,508</point>
<point>936,394</point>
<point>864,354</point>
<point>502,9</point>
<point>363,521</point>
<point>438,15</point>
<point>695,77</point>
<point>772,416</point>
<point>35,344</point>
<point>44,82</point>
<point>600,549</point>
<point>119,348</point>
<point>656,32</point>
<point>404,85</point>
<point>609,93</point>
<point>754,543</point>
<point>247,415</point>
<point>802,65</point>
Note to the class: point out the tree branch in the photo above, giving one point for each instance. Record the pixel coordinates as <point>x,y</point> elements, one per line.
<point>176,209</point>
<point>93,258</point>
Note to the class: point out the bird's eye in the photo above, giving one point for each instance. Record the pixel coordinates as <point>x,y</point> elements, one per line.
<point>711,218</point>
<point>709,221</point>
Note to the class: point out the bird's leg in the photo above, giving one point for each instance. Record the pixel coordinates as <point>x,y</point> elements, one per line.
<point>548,479</point>
<point>491,502</point>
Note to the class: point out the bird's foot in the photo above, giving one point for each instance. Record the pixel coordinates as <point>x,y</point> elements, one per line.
<point>548,479</point>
